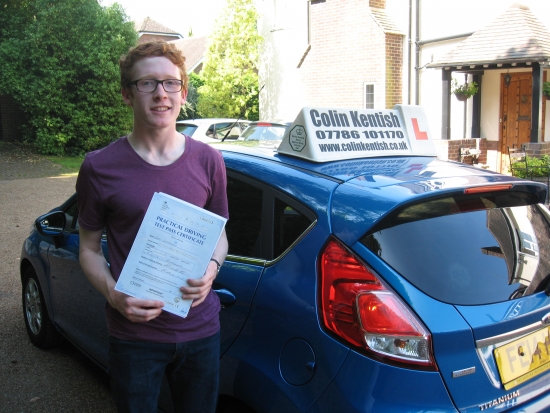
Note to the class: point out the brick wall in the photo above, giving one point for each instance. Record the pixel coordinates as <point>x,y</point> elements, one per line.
<point>536,150</point>
<point>394,67</point>
<point>11,119</point>
<point>450,150</point>
<point>347,50</point>
<point>380,4</point>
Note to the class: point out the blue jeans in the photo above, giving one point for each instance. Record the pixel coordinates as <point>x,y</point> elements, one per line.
<point>192,371</point>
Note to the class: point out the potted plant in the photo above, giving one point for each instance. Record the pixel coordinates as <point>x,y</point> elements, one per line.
<point>465,91</point>
<point>546,89</point>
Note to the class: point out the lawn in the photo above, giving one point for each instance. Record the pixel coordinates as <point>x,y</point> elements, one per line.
<point>69,164</point>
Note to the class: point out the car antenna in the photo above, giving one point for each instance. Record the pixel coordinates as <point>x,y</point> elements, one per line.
<point>232,126</point>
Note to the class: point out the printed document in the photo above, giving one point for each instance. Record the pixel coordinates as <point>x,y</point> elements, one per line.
<point>174,243</point>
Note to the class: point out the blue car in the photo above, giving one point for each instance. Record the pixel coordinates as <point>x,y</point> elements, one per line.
<point>363,275</point>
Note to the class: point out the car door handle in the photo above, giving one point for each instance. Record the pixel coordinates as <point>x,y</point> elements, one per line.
<point>227,298</point>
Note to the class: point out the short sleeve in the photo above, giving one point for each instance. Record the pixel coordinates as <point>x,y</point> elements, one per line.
<point>90,205</point>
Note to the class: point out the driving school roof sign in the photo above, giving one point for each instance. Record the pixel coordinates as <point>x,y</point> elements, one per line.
<point>329,134</point>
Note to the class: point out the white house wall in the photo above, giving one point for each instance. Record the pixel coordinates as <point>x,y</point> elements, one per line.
<point>283,24</point>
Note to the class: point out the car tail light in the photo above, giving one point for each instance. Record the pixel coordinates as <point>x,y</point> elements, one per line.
<point>357,307</point>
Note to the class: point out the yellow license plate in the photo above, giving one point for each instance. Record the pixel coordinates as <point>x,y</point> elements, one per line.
<point>524,358</point>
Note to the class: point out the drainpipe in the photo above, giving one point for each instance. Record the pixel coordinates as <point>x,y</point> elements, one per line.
<point>410,52</point>
<point>417,55</point>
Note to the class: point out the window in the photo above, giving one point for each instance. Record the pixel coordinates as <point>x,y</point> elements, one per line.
<point>262,222</point>
<point>289,225</point>
<point>468,249</point>
<point>71,214</point>
<point>245,218</point>
<point>369,96</point>
<point>186,129</point>
<point>220,130</point>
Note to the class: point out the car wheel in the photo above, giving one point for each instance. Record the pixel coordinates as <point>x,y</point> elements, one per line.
<point>40,328</point>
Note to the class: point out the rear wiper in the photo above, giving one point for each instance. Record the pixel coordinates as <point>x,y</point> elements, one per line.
<point>242,113</point>
<point>231,128</point>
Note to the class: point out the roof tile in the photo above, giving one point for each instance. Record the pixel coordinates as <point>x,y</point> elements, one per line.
<point>516,36</point>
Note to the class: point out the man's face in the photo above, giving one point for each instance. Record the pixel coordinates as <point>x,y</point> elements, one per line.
<point>158,109</point>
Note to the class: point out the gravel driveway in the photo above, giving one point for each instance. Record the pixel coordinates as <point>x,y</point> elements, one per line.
<point>33,380</point>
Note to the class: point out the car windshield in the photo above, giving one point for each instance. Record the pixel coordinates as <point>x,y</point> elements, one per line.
<point>263,132</point>
<point>186,128</point>
<point>468,250</point>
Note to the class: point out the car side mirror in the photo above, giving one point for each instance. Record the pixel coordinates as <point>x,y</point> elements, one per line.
<point>51,224</point>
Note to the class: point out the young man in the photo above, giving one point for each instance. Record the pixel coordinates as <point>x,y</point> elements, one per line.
<point>114,187</point>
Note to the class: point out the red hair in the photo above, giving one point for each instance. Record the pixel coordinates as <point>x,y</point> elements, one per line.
<point>152,49</point>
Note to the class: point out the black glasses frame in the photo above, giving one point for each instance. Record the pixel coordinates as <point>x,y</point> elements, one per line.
<point>135,82</point>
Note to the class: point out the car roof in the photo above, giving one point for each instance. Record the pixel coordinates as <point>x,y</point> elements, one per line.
<point>201,121</point>
<point>397,167</point>
<point>270,123</point>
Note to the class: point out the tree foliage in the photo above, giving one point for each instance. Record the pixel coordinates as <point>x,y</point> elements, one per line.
<point>230,72</point>
<point>189,110</point>
<point>59,60</point>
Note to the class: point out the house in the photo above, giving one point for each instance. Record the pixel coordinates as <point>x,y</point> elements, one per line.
<point>376,53</point>
<point>194,49</point>
<point>509,59</point>
<point>150,30</point>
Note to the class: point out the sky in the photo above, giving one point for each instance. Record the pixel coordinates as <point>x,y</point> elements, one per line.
<point>178,15</point>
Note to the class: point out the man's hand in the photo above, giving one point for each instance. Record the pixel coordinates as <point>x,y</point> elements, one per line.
<point>198,289</point>
<point>135,309</point>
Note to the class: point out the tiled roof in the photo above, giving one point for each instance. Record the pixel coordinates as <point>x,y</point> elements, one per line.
<point>384,21</point>
<point>193,49</point>
<point>517,36</point>
<point>150,26</point>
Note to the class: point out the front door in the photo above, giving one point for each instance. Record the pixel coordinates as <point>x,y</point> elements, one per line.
<point>515,126</point>
<point>515,116</point>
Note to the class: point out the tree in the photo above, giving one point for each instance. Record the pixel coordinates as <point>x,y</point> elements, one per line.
<point>59,60</point>
<point>189,110</point>
<point>230,72</point>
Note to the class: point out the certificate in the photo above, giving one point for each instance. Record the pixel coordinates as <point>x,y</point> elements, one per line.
<point>174,243</point>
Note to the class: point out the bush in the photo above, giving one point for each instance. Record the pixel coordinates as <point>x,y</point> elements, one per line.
<point>59,60</point>
<point>537,168</point>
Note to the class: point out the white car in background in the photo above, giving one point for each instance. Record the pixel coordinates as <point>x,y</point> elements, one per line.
<point>211,130</point>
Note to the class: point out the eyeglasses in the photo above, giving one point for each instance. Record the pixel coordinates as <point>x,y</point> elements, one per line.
<point>150,85</point>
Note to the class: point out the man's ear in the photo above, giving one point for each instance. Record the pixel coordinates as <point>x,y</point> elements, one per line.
<point>184,96</point>
<point>126,96</point>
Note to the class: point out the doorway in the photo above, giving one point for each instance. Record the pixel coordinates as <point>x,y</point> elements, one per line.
<point>515,114</point>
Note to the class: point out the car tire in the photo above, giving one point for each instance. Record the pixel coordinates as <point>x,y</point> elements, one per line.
<point>40,328</point>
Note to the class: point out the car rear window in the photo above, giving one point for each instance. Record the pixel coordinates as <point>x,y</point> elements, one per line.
<point>220,130</point>
<point>468,250</point>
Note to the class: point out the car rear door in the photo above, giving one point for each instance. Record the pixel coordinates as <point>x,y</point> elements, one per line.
<point>239,276</point>
<point>476,269</point>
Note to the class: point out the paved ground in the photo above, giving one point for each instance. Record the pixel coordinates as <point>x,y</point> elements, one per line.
<point>33,380</point>
<point>16,162</point>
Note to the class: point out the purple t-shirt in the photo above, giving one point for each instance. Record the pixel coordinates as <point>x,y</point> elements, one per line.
<point>114,188</point>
